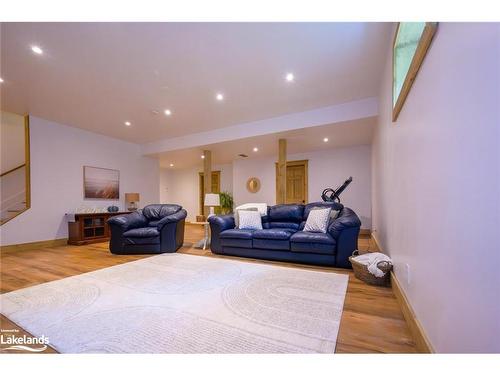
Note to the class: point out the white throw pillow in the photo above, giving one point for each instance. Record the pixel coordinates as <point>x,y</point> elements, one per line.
<point>250,220</point>
<point>318,219</point>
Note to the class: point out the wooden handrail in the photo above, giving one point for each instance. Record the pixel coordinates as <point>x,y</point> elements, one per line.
<point>13,169</point>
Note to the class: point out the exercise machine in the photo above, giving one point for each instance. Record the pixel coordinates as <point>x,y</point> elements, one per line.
<point>333,195</point>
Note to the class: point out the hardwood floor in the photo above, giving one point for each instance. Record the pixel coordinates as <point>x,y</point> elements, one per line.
<point>372,321</point>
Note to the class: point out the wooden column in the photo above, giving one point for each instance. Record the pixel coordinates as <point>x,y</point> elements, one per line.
<point>207,176</point>
<point>281,180</point>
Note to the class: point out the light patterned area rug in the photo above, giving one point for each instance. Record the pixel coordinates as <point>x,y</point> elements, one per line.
<point>177,303</point>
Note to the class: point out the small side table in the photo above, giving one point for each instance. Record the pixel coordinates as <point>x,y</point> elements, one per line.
<point>205,242</point>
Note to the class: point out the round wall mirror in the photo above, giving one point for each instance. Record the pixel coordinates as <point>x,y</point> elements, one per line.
<point>253,184</point>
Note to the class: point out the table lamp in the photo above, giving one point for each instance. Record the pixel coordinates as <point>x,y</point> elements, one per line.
<point>132,199</point>
<point>212,200</point>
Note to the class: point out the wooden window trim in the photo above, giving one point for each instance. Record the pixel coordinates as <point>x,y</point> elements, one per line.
<point>418,58</point>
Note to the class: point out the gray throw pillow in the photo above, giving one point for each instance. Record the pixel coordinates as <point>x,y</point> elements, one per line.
<point>318,220</point>
<point>250,219</point>
<point>237,215</point>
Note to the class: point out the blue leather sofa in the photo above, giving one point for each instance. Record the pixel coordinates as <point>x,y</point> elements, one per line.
<point>282,238</point>
<point>157,228</point>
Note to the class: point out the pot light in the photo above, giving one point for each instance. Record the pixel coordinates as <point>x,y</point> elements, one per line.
<point>219,97</point>
<point>1,80</point>
<point>255,149</point>
<point>128,123</point>
<point>325,139</point>
<point>203,156</point>
<point>171,165</point>
<point>37,50</point>
<point>289,77</point>
<point>168,112</point>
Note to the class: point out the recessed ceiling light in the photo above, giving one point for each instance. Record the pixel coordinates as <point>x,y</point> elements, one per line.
<point>171,165</point>
<point>325,139</point>
<point>219,97</point>
<point>289,77</point>
<point>203,156</point>
<point>36,50</point>
<point>1,80</point>
<point>168,112</point>
<point>128,123</point>
<point>255,149</point>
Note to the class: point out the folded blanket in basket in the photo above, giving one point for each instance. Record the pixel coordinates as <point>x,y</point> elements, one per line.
<point>371,260</point>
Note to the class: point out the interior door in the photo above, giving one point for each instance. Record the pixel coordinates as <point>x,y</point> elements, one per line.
<point>296,181</point>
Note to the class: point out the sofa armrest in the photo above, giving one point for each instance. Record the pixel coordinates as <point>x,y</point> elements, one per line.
<point>345,230</point>
<point>129,221</point>
<point>347,219</point>
<point>219,224</point>
<point>178,216</point>
<point>171,230</point>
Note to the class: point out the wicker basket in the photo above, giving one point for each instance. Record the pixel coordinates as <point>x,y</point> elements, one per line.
<point>361,271</point>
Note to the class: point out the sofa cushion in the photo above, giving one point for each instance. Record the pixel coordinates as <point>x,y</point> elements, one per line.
<point>315,243</point>
<point>284,225</point>
<point>265,244</point>
<point>273,234</point>
<point>272,239</point>
<point>237,238</point>
<point>141,236</point>
<point>312,248</point>
<point>323,238</point>
<point>159,211</point>
<point>286,213</point>
<point>142,232</point>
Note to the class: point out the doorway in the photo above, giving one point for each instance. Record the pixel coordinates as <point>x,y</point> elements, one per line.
<point>215,189</point>
<point>296,181</point>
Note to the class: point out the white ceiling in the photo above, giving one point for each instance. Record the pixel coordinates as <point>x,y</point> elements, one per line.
<point>344,134</point>
<point>95,76</point>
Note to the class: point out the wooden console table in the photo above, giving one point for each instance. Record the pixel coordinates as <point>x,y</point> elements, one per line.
<point>88,228</point>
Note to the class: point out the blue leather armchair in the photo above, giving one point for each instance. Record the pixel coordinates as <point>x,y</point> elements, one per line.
<point>283,239</point>
<point>157,228</point>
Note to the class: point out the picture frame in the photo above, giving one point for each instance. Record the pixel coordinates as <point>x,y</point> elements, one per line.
<point>101,183</point>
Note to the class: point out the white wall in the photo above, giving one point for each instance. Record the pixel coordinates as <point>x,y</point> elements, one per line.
<point>58,154</point>
<point>164,185</point>
<point>328,168</point>
<point>181,186</point>
<point>436,188</point>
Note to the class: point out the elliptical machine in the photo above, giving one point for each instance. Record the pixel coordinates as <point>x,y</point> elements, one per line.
<point>333,195</point>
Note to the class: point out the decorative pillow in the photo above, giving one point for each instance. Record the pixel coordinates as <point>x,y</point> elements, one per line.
<point>318,219</point>
<point>250,220</point>
<point>237,214</point>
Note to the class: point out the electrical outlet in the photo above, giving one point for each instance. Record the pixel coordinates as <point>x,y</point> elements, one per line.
<point>407,269</point>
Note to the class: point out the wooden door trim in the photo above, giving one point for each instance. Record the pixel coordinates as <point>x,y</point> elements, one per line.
<point>201,187</point>
<point>293,163</point>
